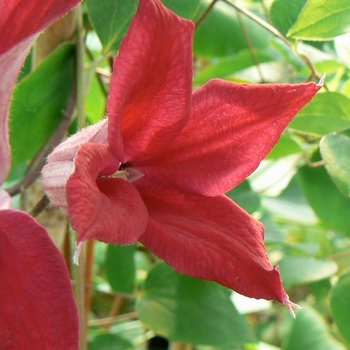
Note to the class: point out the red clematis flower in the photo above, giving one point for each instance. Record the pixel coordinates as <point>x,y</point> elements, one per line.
<point>157,169</point>
<point>37,306</point>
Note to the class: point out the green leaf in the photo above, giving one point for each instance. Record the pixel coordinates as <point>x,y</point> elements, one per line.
<point>322,20</point>
<point>284,13</point>
<point>284,147</point>
<point>120,268</point>
<point>273,232</point>
<point>39,102</point>
<point>335,151</point>
<point>310,332</point>
<point>299,269</point>
<point>184,8</point>
<point>109,341</point>
<point>340,305</point>
<point>244,196</point>
<point>95,103</point>
<point>291,204</point>
<point>227,66</point>
<point>183,308</point>
<point>324,197</point>
<point>212,38</point>
<point>326,113</point>
<point>111,20</point>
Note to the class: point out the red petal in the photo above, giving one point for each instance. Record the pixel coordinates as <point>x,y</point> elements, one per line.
<point>21,19</point>
<point>210,238</point>
<point>150,92</point>
<point>61,165</point>
<point>37,307</point>
<point>231,129</point>
<point>108,209</point>
<point>20,22</point>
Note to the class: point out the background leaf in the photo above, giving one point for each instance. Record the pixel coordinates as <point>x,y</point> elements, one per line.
<point>111,20</point>
<point>222,35</point>
<point>120,268</point>
<point>327,112</point>
<point>322,20</point>
<point>284,13</point>
<point>335,151</point>
<point>189,309</point>
<point>320,189</point>
<point>309,331</point>
<point>39,102</point>
<point>340,305</point>
<point>299,269</point>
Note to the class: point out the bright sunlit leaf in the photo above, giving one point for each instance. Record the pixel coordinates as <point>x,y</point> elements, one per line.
<point>284,13</point>
<point>326,113</point>
<point>322,20</point>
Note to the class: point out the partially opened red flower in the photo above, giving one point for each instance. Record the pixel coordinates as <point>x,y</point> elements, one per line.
<point>37,307</point>
<point>157,170</point>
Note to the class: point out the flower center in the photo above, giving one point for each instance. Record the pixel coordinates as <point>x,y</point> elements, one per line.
<point>125,173</point>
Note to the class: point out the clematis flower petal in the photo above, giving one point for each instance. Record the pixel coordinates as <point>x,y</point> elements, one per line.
<point>16,40</point>
<point>105,208</point>
<point>231,130</point>
<point>151,86</point>
<point>61,165</point>
<point>210,238</point>
<point>37,307</point>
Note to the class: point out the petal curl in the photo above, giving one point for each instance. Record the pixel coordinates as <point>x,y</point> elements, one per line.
<point>231,130</point>
<point>67,150</point>
<point>15,42</point>
<point>61,165</point>
<point>211,238</point>
<point>108,209</point>
<point>37,306</point>
<point>151,86</point>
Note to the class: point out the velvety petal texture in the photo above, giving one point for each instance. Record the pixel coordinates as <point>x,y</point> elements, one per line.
<point>37,307</point>
<point>170,155</point>
<point>61,164</point>
<point>215,240</point>
<point>231,130</point>
<point>106,208</point>
<point>150,91</point>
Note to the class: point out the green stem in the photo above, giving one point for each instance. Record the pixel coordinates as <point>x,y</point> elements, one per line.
<point>79,291</point>
<point>80,269</point>
<point>205,14</point>
<point>80,46</point>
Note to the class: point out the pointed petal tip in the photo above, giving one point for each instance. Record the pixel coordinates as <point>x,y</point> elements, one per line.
<point>322,80</point>
<point>290,305</point>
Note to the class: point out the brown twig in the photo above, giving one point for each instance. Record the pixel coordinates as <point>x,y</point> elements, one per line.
<point>89,264</point>
<point>40,206</point>
<point>204,14</point>
<point>250,45</point>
